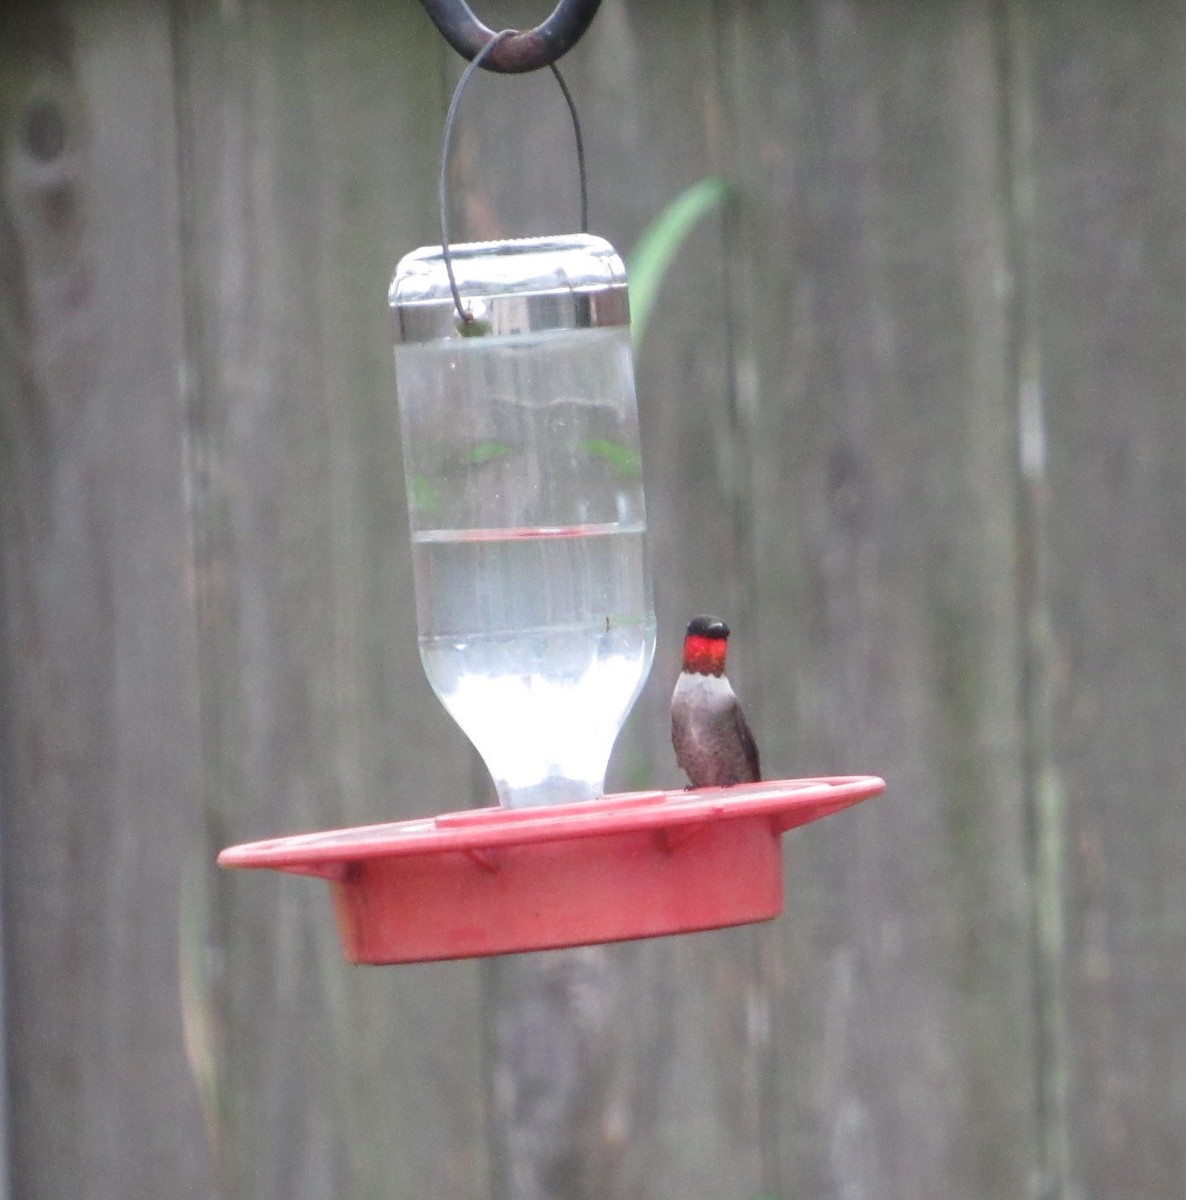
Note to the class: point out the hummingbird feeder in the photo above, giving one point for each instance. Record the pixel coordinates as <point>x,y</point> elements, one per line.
<point>520,433</point>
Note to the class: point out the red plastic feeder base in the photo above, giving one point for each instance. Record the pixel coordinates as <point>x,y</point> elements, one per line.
<point>499,881</point>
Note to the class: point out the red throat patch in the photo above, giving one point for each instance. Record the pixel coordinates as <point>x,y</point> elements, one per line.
<point>705,655</point>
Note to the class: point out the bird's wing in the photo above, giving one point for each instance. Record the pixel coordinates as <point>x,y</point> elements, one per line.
<point>748,745</point>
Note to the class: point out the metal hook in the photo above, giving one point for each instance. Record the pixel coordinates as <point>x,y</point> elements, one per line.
<point>525,50</point>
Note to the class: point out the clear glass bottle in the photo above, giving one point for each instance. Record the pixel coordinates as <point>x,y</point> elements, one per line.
<point>524,478</point>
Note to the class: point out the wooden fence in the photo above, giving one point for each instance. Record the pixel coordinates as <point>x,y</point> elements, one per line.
<point>913,421</point>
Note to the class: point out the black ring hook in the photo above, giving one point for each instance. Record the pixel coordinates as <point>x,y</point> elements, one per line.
<point>526,49</point>
<point>466,316</point>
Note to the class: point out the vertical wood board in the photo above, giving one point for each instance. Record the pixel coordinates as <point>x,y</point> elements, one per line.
<point>874,375</point>
<point>307,170</point>
<point>1110,260</point>
<point>99,729</point>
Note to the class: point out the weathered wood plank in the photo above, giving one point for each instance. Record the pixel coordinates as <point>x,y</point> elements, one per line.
<point>875,385</point>
<point>1109,180</point>
<point>308,139</point>
<point>99,730</point>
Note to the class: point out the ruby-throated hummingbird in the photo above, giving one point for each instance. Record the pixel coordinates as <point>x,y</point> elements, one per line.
<point>713,744</point>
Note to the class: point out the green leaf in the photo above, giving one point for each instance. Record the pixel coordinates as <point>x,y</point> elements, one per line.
<point>423,495</point>
<point>623,459</point>
<point>659,244</point>
<point>485,451</point>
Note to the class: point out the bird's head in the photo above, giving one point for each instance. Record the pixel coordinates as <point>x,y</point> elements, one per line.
<point>706,644</point>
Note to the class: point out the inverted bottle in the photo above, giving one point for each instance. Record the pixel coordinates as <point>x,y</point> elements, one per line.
<point>525,498</point>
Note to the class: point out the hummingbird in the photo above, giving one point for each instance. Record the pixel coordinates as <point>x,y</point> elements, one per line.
<point>713,744</point>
